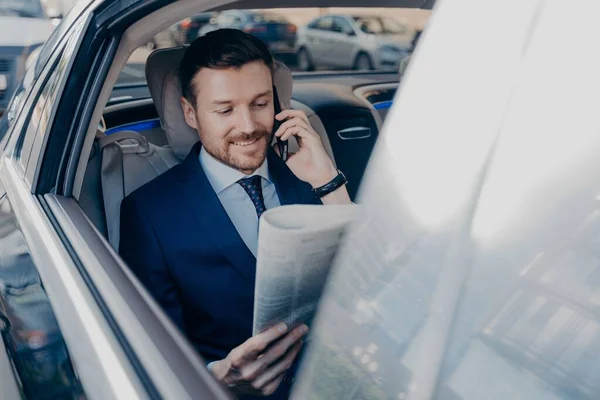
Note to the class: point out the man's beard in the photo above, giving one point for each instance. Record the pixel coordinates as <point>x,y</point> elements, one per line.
<point>243,163</point>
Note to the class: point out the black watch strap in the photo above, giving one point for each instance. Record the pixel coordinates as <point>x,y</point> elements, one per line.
<point>337,182</point>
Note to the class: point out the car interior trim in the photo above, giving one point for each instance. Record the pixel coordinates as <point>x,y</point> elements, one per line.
<point>107,375</point>
<point>364,91</point>
<point>168,359</point>
<point>258,4</point>
<point>380,112</point>
<point>354,133</point>
<point>85,137</point>
<point>383,104</point>
<point>136,126</point>
<point>117,106</point>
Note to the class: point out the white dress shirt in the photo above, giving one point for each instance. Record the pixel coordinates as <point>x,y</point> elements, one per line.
<point>235,200</point>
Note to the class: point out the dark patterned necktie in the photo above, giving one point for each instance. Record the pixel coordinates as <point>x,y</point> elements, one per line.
<point>253,187</point>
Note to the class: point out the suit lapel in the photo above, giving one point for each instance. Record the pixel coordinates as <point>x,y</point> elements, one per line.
<point>208,208</point>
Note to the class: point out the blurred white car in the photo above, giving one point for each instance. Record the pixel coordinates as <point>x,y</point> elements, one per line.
<point>353,42</point>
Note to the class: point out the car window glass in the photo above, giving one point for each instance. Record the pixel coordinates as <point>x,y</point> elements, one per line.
<point>38,119</point>
<point>29,328</point>
<point>63,30</point>
<point>22,100</point>
<point>341,25</point>
<point>325,24</point>
<point>314,24</point>
<point>495,296</point>
<point>41,115</point>
<point>298,32</point>
<point>380,26</point>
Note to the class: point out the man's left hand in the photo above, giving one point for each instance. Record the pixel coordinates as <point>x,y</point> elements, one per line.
<point>310,163</point>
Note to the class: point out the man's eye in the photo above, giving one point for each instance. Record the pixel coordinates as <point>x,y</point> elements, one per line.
<point>261,105</point>
<point>224,111</point>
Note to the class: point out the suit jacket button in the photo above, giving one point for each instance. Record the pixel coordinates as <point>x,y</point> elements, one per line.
<point>289,380</point>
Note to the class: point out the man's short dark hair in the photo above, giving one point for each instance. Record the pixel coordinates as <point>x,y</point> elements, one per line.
<point>220,49</point>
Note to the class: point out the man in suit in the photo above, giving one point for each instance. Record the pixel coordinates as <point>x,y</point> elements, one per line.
<point>191,234</point>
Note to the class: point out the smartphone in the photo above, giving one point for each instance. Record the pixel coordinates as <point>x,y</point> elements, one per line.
<point>282,145</point>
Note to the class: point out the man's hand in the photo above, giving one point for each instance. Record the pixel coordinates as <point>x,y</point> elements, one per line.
<point>310,163</point>
<point>258,366</point>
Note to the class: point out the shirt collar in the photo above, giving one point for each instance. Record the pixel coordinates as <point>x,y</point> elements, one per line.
<point>222,176</point>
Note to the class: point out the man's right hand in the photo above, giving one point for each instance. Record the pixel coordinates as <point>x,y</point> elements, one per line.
<point>258,366</point>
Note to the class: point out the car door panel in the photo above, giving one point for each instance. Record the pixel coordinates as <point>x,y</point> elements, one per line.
<point>31,342</point>
<point>151,338</point>
<point>321,41</point>
<point>48,280</point>
<point>8,381</point>
<point>315,45</point>
<point>342,43</point>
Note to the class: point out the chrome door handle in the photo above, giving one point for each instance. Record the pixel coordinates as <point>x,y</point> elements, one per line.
<point>354,133</point>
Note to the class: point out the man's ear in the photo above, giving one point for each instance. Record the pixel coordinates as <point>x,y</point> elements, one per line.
<point>189,113</point>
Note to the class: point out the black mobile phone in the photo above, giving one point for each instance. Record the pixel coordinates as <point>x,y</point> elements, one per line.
<point>282,145</point>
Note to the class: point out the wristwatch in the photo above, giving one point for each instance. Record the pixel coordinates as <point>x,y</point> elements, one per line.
<point>337,182</point>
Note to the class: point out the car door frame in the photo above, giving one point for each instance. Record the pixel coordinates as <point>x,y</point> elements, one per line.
<point>156,360</point>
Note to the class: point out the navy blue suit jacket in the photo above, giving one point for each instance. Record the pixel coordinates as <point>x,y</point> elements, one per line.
<point>179,241</point>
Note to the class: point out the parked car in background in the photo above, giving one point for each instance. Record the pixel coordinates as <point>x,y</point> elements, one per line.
<point>24,26</point>
<point>273,29</point>
<point>353,42</point>
<point>187,30</point>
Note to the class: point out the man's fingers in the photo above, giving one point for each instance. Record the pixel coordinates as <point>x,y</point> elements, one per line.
<point>251,348</point>
<point>292,114</point>
<point>291,123</point>
<point>272,386</point>
<point>278,368</point>
<point>275,352</point>
<point>280,348</point>
<point>301,132</point>
<point>290,132</point>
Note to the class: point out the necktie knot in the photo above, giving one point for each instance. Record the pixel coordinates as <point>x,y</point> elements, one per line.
<point>253,187</point>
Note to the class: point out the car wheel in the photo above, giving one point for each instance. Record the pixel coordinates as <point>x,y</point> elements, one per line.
<point>363,62</point>
<point>304,61</point>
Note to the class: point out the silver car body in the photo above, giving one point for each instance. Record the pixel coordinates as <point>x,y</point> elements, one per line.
<point>338,41</point>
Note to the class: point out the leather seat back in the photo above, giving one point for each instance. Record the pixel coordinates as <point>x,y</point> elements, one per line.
<point>128,162</point>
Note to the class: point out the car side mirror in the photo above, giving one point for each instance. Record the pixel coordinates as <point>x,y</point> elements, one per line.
<point>350,33</point>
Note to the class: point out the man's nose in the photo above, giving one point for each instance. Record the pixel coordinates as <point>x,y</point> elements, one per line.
<point>246,123</point>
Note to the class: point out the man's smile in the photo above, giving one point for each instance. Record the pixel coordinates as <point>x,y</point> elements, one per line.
<point>246,143</point>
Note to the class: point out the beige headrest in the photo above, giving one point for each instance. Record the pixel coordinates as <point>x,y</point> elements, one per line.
<point>161,74</point>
